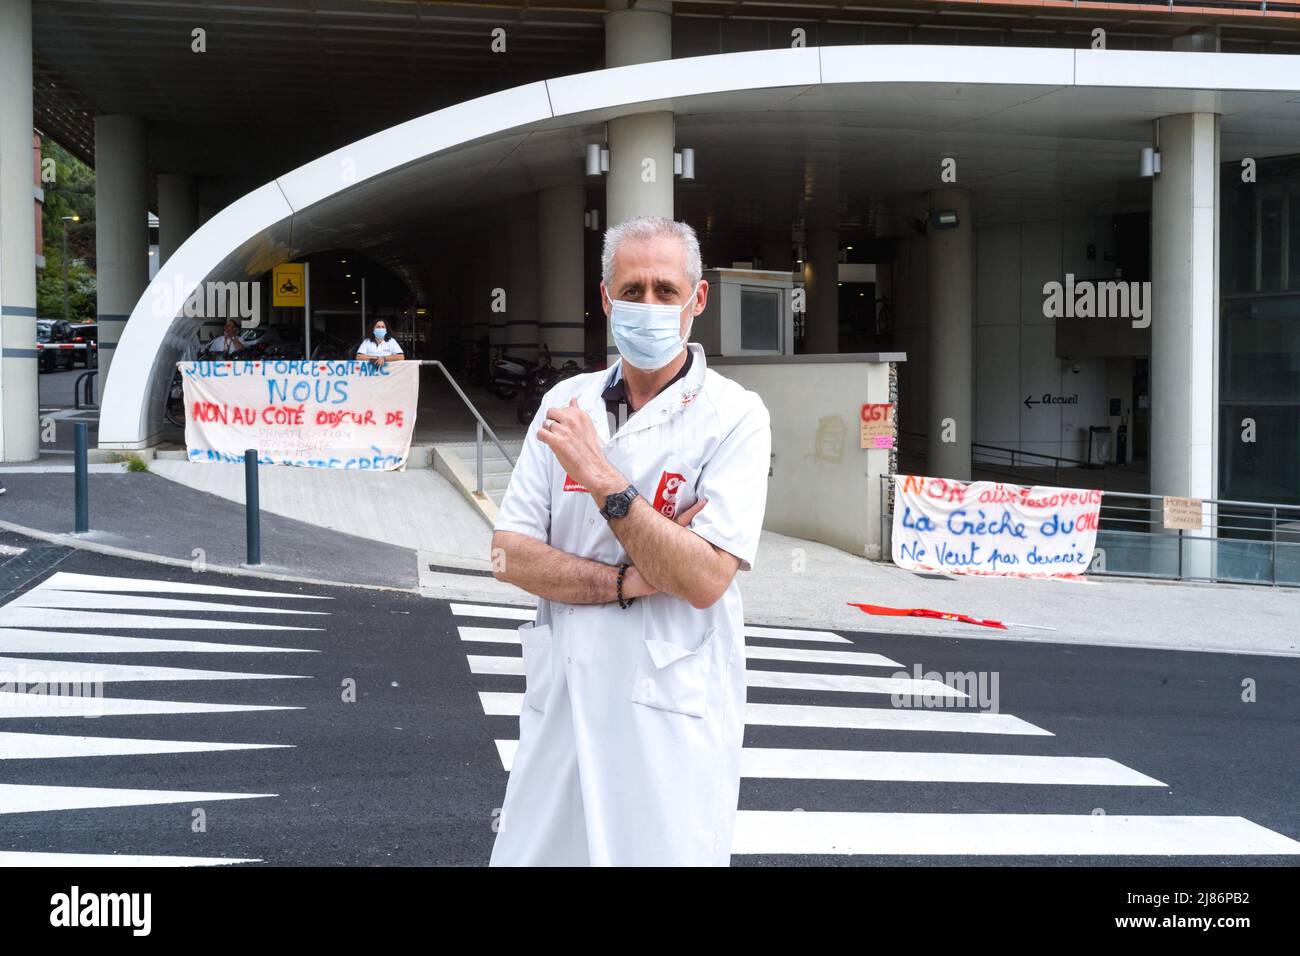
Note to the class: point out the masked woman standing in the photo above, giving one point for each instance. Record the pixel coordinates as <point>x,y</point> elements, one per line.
<point>377,347</point>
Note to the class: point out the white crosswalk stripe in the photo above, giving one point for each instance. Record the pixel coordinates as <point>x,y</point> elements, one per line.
<point>24,641</point>
<point>80,860</point>
<point>44,746</point>
<point>24,706</point>
<point>70,581</point>
<point>23,798</point>
<point>50,619</point>
<point>34,671</point>
<point>73,619</point>
<point>103,601</point>
<point>1001,834</point>
<point>868,832</point>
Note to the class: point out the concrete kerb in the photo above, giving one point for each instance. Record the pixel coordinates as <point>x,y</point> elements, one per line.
<point>447,463</point>
<point>82,544</point>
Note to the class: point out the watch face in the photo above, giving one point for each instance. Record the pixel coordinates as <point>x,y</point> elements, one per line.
<point>617,505</point>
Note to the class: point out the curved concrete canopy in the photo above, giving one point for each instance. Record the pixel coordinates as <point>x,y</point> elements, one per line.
<point>419,175</point>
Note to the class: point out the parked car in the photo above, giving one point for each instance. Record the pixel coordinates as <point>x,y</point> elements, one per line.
<point>273,342</point>
<point>86,333</point>
<point>54,344</point>
<point>330,348</point>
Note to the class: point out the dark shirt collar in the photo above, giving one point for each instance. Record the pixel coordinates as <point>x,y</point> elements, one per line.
<point>617,392</point>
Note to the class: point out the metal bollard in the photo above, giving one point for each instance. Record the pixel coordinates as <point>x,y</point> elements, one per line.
<point>81,484</point>
<point>252,507</point>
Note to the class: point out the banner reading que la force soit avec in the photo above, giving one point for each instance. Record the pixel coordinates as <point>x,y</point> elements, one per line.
<point>986,527</point>
<point>317,414</point>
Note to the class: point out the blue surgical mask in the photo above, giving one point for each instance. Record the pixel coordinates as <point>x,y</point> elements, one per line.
<point>380,333</point>
<point>647,335</point>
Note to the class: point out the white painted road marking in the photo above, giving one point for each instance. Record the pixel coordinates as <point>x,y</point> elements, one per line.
<point>22,641</point>
<point>44,746</point>
<point>1002,834</point>
<point>23,798</point>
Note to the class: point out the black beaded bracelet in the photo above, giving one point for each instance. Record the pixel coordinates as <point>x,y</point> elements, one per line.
<point>622,569</point>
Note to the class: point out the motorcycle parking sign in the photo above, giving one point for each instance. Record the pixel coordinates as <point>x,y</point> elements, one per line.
<point>288,286</point>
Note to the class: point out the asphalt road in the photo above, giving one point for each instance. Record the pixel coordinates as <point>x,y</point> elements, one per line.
<point>1132,749</point>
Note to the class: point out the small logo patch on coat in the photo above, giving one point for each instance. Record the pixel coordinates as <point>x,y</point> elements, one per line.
<point>666,496</point>
<point>571,485</point>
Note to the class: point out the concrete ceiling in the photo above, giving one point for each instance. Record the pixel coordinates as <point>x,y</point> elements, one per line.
<point>283,81</point>
<point>766,158</point>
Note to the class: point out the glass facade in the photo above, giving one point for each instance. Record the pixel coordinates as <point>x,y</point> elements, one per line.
<point>1259,333</point>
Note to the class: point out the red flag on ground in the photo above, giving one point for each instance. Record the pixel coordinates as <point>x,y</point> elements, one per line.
<point>942,616</point>
<point>926,612</point>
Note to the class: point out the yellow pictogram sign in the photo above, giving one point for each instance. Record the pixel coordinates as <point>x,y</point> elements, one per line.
<point>288,286</point>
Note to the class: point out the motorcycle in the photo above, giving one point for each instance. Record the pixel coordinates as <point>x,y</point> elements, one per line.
<point>540,380</point>
<point>509,375</point>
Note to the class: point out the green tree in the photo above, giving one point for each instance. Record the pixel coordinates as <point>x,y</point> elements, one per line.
<point>72,193</point>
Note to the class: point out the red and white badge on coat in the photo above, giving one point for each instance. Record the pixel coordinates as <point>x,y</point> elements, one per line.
<point>666,496</point>
<point>571,485</point>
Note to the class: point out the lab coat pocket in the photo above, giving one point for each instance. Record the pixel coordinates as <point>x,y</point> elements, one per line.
<point>536,641</point>
<point>675,678</point>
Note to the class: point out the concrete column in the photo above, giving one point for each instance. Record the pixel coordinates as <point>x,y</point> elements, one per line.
<point>821,282</point>
<point>178,212</point>
<point>640,178</point>
<point>1184,307</point>
<point>561,325</point>
<point>479,292</point>
<point>19,406</point>
<point>121,228</point>
<point>951,286</point>
<point>498,287</point>
<point>521,302</point>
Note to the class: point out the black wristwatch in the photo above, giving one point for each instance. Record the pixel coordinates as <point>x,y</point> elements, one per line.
<point>618,504</point>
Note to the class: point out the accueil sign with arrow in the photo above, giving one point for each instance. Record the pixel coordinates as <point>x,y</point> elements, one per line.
<point>1050,399</point>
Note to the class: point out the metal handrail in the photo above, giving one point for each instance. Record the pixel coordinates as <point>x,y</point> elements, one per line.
<point>483,426</point>
<point>77,388</point>
<point>1056,460</point>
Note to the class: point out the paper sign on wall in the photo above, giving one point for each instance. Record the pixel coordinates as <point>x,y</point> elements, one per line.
<point>1184,513</point>
<point>878,425</point>
<point>986,527</point>
<point>310,413</point>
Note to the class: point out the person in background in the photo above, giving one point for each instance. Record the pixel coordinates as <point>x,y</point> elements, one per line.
<point>228,342</point>
<point>377,347</point>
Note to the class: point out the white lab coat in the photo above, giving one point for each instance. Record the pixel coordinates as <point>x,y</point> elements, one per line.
<point>633,719</point>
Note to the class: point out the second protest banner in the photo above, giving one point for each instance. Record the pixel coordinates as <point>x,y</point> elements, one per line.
<point>986,527</point>
<point>316,414</point>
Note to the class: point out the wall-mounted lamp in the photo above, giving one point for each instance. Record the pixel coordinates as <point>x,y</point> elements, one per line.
<point>684,163</point>
<point>597,159</point>
<point>944,219</point>
<point>1150,163</point>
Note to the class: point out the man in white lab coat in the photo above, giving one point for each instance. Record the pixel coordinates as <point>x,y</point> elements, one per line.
<point>638,494</point>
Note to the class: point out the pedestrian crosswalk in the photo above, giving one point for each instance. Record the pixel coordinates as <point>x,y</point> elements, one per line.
<point>990,756</point>
<point>70,616</point>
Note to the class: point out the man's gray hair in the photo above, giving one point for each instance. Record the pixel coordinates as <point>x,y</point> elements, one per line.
<point>649,227</point>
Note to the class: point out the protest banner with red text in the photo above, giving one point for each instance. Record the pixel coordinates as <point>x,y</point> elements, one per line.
<point>986,527</point>
<point>314,414</point>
